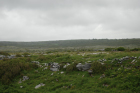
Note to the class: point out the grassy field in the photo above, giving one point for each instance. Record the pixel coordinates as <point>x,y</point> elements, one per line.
<point>121,73</point>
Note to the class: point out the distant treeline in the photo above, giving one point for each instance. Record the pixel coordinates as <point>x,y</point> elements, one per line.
<point>75,43</point>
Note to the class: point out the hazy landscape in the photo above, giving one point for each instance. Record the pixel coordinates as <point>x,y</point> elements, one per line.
<point>93,44</point>
<point>70,66</point>
<point>69,46</point>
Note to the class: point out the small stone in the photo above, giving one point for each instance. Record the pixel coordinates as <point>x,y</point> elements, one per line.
<point>25,78</point>
<point>39,85</point>
<point>42,84</point>
<point>51,74</point>
<point>62,72</point>
<point>66,65</point>
<point>21,86</point>
<point>90,71</point>
<point>54,69</point>
<point>45,68</point>
<point>102,76</point>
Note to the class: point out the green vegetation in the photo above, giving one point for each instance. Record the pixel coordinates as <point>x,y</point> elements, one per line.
<point>10,68</point>
<point>135,49</point>
<point>73,43</point>
<point>121,49</point>
<point>98,68</point>
<point>4,53</point>
<point>18,55</point>
<point>110,49</point>
<point>121,70</point>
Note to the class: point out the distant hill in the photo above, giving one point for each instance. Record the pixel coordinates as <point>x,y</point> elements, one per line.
<point>74,43</point>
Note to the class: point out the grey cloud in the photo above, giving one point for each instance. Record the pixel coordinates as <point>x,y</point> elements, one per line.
<point>68,3</point>
<point>68,19</point>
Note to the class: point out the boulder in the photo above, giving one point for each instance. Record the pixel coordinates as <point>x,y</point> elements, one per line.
<point>79,66</point>
<point>86,66</point>
<point>54,66</point>
<point>83,67</point>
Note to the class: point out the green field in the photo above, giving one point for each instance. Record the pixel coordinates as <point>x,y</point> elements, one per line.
<point>120,77</point>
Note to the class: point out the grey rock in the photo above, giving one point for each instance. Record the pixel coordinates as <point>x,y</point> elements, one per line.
<point>90,71</point>
<point>21,86</point>
<point>86,66</point>
<point>79,66</point>
<point>46,64</point>
<point>83,67</point>
<point>61,72</point>
<point>120,61</point>
<point>54,69</point>
<point>11,56</point>
<point>133,61</point>
<point>66,65</point>
<point>39,85</point>
<point>25,78</point>
<point>45,68</point>
<point>52,74</point>
<point>54,66</point>
<point>2,57</point>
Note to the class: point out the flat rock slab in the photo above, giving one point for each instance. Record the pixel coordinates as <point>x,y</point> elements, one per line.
<point>39,85</point>
<point>83,67</point>
<point>54,69</point>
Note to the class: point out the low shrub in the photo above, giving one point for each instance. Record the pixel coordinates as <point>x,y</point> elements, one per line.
<point>41,58</point>
<point>18,55</point>
<point>11,68</point>
<point>121,49</point>
<point>98,68</point>
<point>71,67</point>
<point>135,49</point>
<point>26,54</point>
<point>61,67</point>
<point>105,82</point>
<point>110,49</point>
<point>4,53</point>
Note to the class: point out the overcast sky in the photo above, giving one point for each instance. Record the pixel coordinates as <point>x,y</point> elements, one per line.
<point>43,20</point>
